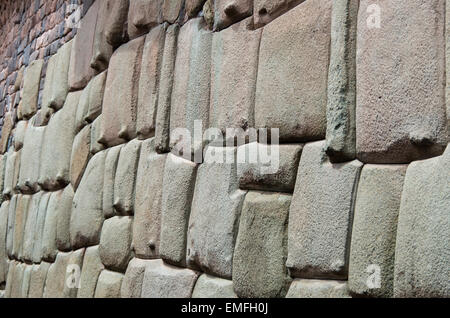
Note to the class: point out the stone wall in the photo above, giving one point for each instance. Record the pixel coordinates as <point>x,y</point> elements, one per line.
<point>101,198</point>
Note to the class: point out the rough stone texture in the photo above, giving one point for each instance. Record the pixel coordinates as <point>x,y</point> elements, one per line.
<point>87,214</point>
<point>166,281</point>
<point>108,285</point>
<point>80,156</point>
<point>38,251</point>
<point>25,281</point>
<point>121,90</point>
<point>57,143</point>
<point>190,94</point>
<point>64,212</point>
<point>96,146</point>
<point>305,288</point>
<point>96,92</point>
<point>124,184</point>
<point>142,16</point>
<point>149,82</point>
<point>264,11</point>
<point>6,131</point>
<point>321,215</point>
<point>92,267</point>
<point>101,49</point>
<point>422,251</point>
<point>83,107</point>
<point>171,10</point>
<point>177,192</point>
<point>134,276</point>
<point>212,287</point>
<point>227,12</point>
<point>147,214</point>
<point>115,243</point>
<point>23,201</point>
<point>400,112</point>
<point>30,89</point>
<point>4,211</point>
<point>162,124</point>
<point>37,280</point>
<point>19,136</point>
<point>115,24</point>
<point>16,288</point>
<point>287,65</point>
<point>260,168</point>
<point>214,219</point>
<point>193,7</point>
<point>30,228</point>
<point>233,76</point>
<point>11,170</point>
<point>111,160</point>
<point>375,228</point>
<point>261,247</point>
<point>341,106</point>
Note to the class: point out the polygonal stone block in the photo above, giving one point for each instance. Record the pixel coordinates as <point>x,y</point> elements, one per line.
<point>101,49</point>
<point>114,28</point>
<point>11,225</point>
<point>80,155</point>
<point>49,247</point>
<point>134,276</point>
<point>2,175</point>
<point>310,288</point>
<point>4,211</point>
<point>96,130</point>
<point>12,172</point>
<point>19,135</point>
<point>92,267</point>
<point>111,160</point>
<point>37,280</point>
<point>108,285</point>
<point>64,211</point>
<point>213,287</point>
<point>193,7</point>
<point>227,12</point>
<point>264,11</point>
<point>26,281</point>
<point>6,131</point>
<point>23,202</point>
<point>171,10</point>
<point>30,90</point>
<point>30,228</point>
<point>142,16</point>
<point>38,250</point>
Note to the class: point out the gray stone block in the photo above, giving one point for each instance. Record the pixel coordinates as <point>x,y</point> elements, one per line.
<point>39,229</point>
<point>23,203</point>
<point>134,276</point>
<point>111,160</point>
<point>227,12</point>
<point>108,285</point>
<point>213,287</point>
<point>310,288</point>
<point>4,211</point>
<point>37,280</point>
<point>80,155</point>
<point>64,211</point>
<point>30,89</point>
<point>92,267</point>
<point>30,228</point>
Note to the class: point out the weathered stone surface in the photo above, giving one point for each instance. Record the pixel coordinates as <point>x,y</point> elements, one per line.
<point>64,211</point>
<point>214,219</point>
<point>287,65</point>
<point>12,171</point>
<point>4,211</point>
<point>38,250</point>
<point>9,279</point>
<point>171,10</point>
<point>2,175</point>
<point>212,287</point>
<point>134,276</point>
<point>375,228</point>
<point>45,112</point>
<point>30,89</point>
<point>264,11</point>
<point>261,246</point>
<point>37,280</point>
<point>111,160</point>
<point>321,215</point>
<point>96,92</point>
<point>23,202</point>
<point>19,136</point>
<point>30,228</point>
<point>115,243</point>
<point>177,192</point>
<point>80,156</point>
<point>101,49</point>
<point>49,248</point>
<point>10,228</point>
<point>96,130</point>
<point>87,214</point>
<point>193,7</point>
<point>162,125</point>
<point>227,12</point>
<point>233,76</point>
<point>124,184</point>
<point>108,285</point>
<point>25,281</point>
<point>341,106</point>
<point>149,82</point>
<point>422,253</point>
<point>120,102</point>
<point>57,144</point>
<point>394,94</point>
<point>142,16</point>
<point>311,288</point>
<point>259,167</point>
<point>191,87</point>
<point>83,107</point>
<point>166,281</point>
<point>16,287</point>
<point>80,70</point>
<point>115,24</point>
<point>6,131</point>
<point>92,267</point>
<point>147,213</point>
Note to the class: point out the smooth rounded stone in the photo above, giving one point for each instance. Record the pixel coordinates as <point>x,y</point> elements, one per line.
<point>101,49</point>
<point>177,193</point>
<point>400,112</point>
<point>92,267</point>
<point>30,228</point>
<point>134,276</point>
<point>287,65</point>
<point>19,136</point>
<point>171,10</point>
<point>12,164</point>
<point>57,146</point>
<point>38,236</point>
<point>214,219</point>
<point>30,89</point>
<point>23,203</point>
<point>191,87</point>
<point>96,131</point>
<point>124,183</point>
<point>80,70</point>
<point>4,211</point>
<point>142,16</point>
<point>29,169</point>
<point>37,280</point>
<point>260,253</point>
<point>213,287</point>
<point>234,60</point>
<point>111,160</point>
<point>227,12</point>
<point>115,243</point>
<point>193,8</point>
<point>149,82</point>
<point>311,288</point>
<point>321,214</point>
<point>166,78</point>
<point>114,27</point>
<point>264,167</point>
<point>120,102</point>
<point>375,229</point>
<point>11,226</point>
<point>422,252</point>
<point>265,11</point>
<point>7,127</point>
<point>166,281</point>
<point>87,214</point>
<point>341,106</point>
<point>80,156</point>
<point>2,175</point>
<point>147,212</point>
<point>25,281</point>
<point>96,92</point>
<point>108,285</point>
<point>64,211</point>
<point>49,248</point>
